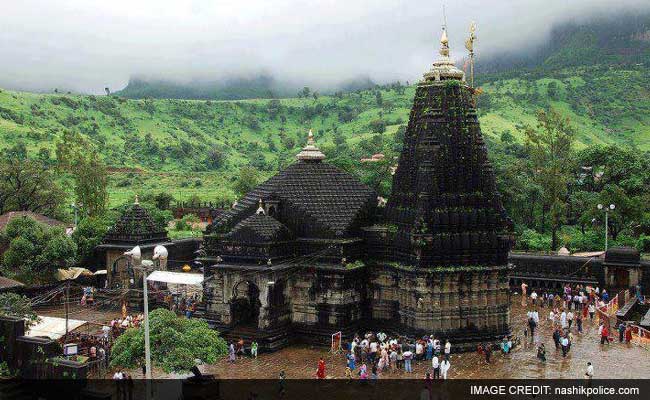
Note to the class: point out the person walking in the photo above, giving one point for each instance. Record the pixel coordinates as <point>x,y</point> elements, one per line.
<point>592,311</point>
<point>590,372</point>
<point>254,349</point>
<point>444,368</point>
<point>435,364</point>
<point>628,334</point>
<point>231,353</point>
<point>532,324</point>
<point>621,332</point>
<point>447,349</point>
<point>604,335</point>
<point>569,318</point>
<point>541,352</point>
<point>579,322</point>
<point>408,357</point>
<point>565,345</point>
<point>320,371</point>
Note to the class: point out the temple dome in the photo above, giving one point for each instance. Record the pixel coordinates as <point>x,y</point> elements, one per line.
<point>135,226</point>
<point>259,228</point>
<point>313,199</point>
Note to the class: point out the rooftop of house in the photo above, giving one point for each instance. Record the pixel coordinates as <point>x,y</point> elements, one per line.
<point>6,217</point>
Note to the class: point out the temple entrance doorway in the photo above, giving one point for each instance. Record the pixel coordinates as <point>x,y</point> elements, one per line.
<point>245,304</point>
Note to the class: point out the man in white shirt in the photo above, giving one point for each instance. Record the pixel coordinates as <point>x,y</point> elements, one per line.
<point>373,350</point>
<point>447,349</point>
<point>569,318</point>
<point>533,297</point>
<point>563,322</point>
<point>435,363</point>
<point>590,371</point>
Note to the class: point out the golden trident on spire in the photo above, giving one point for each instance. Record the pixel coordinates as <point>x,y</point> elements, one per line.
<point>469,45</point>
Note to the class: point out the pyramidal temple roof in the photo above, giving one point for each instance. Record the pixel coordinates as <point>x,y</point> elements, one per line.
<point>135,226</point>
<point>444,199</point>
<point>323,201</point>
<point>261,227</point>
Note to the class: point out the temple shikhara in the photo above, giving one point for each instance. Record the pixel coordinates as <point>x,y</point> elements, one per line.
<point>309,252</point>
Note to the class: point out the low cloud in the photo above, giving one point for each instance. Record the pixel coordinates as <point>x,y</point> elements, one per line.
<point>85,46</point>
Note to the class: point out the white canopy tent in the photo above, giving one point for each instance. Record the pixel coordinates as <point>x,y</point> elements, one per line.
<point>179,278</point>
<point>53,327</point>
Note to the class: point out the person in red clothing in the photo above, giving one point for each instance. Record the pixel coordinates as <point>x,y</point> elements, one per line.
<point>628,334</point>
<point>604,335</point>
<point>320,372</point>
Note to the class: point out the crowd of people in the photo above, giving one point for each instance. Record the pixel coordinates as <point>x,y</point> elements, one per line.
<point>182,304</point>
<point>568,310</point>
<point>376,354</point>
<point>238,350</point>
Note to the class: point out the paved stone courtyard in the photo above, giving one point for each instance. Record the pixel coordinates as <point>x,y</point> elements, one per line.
<point>613,361</point>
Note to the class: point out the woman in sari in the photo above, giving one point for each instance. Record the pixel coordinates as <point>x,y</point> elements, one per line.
<point>320,372</point>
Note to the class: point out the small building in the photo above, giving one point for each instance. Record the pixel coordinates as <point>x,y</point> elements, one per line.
<point>9,285</point>
<point>135,227</point>
<point>622,267</point>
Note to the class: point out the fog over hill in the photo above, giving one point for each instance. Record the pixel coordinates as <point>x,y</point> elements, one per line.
<point>87,46</point>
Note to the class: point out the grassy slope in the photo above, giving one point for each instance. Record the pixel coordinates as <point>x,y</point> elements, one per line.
<point>606,105</point>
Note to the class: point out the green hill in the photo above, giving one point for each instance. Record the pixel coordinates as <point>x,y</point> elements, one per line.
<point>197,147</point>
<point>189,147</point>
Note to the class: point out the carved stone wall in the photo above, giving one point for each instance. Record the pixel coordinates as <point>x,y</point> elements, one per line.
<point>469,304</point>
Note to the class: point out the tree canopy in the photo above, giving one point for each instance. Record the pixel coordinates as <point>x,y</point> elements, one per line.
<point>176,343</point>
<point>35,251</point>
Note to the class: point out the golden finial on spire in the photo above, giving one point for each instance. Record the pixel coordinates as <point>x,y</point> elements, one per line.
<point>444,43</point>
<point>260,209</point>
<point>310,152</point>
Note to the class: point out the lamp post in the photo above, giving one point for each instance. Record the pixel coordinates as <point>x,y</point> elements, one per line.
<point>606,209</point>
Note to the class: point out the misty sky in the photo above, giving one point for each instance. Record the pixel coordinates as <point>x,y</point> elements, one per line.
<point>85,45</point>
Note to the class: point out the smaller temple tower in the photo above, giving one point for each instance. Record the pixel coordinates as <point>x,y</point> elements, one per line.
<point>135,227</point>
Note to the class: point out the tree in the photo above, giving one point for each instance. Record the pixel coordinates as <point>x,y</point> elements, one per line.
<point>377,126</point>
<point>550,149</point>
<point>17,306</point>
<point>88,234</point>
<point>378,99</point>
<point>28,185</point>
<point>175,343</point>
<point>247,180</point>
<point>35,251</point>
<point>90,184</point>
<point>215,158</point>
<point>79,157</point>
<point>163,200</point>
<point>552,90</point>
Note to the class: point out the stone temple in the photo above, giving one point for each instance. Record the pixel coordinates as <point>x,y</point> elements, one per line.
<point>309,253</point>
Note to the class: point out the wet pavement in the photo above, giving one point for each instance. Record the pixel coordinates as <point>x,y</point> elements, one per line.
<point>610,361</point>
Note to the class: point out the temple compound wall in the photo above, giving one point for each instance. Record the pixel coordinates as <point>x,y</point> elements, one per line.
<point>617,269</point>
